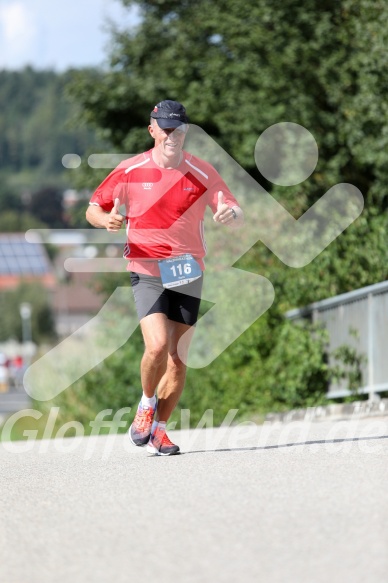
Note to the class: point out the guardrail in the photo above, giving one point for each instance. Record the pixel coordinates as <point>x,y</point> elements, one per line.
<point>366,312</point>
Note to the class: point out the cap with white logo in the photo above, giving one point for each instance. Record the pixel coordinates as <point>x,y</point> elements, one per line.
<point>169,114</point>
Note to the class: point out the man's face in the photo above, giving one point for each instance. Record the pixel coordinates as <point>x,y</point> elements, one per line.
<point>170,140</point>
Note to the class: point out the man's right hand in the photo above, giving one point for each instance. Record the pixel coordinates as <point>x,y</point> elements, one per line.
<point>115,219</point>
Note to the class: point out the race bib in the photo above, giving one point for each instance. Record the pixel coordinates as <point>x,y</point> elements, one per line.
<point>177,271</point>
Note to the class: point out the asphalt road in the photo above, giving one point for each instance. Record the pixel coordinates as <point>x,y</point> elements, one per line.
<point>299,502</point>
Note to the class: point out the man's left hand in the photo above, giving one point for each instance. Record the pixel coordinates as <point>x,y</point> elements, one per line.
<point>224,213</point>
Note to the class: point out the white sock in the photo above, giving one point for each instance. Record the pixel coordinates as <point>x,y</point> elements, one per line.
<point>148,401</point>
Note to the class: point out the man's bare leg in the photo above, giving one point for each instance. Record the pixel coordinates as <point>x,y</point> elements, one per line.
<point>173,381</point>
<point>155,330</point>
<point>161,364</point>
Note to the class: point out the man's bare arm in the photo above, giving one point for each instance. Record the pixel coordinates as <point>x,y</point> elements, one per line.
<point>112,221</point>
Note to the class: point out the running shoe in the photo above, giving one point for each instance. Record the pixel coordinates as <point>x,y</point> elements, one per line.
<point>140,430</point>
<point>160,444</point>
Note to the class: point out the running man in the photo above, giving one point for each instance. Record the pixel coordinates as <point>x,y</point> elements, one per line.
<point>165,192</point>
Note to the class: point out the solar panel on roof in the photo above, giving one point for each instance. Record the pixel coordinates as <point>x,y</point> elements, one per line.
<point>28,249</point>
<point>9,264</point>
<point>18,257</point>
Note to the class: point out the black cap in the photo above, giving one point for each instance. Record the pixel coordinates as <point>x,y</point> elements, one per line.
<point>170,114</point>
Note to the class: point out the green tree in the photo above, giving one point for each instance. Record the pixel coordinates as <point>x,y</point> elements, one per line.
<point>37,121</point>
<point>39,124</point>
<point>19,222</point>
<point>46,205</point>
<point>240,67</point>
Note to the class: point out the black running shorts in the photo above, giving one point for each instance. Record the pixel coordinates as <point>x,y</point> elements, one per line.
<point>180,304</point>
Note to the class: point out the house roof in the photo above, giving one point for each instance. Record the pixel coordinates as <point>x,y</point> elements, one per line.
<point>18,257</point>
<point>77,296</point>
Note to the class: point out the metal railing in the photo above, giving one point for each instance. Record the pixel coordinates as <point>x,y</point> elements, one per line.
<point>364,311</point>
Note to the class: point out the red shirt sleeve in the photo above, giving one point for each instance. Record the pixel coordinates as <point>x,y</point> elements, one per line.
<point>218,184</point>
<point>114,186</point>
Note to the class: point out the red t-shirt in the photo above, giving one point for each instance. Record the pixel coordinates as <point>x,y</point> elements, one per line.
<point>164,207</point>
